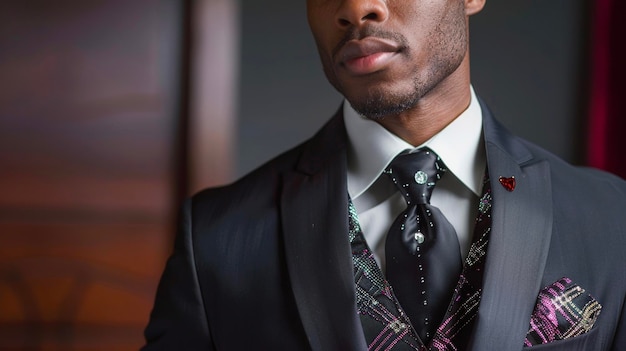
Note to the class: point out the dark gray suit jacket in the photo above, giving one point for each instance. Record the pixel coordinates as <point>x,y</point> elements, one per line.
<point>265,263</point>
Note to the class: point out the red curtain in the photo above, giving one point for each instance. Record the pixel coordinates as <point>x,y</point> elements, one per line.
<point>607,124</point>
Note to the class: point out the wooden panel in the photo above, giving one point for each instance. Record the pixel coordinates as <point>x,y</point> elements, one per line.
<point>58,278</point>
<point>84,104</point>
<point>88,129</point>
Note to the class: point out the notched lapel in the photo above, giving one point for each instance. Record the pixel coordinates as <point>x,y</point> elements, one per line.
<point>314,214</point>
<point>520,240</point>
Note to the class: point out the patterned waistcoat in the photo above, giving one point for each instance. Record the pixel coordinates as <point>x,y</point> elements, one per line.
<point>385,325</point>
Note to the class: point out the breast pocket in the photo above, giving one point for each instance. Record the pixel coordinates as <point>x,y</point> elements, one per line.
<point>585,342</point>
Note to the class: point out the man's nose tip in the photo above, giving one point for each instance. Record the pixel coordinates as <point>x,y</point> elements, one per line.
<point>358,12</point>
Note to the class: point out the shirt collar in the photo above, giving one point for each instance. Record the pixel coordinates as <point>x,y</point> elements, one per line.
<point>372,148</point>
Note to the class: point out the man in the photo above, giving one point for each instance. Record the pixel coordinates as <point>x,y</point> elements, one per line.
<point>508,246</point>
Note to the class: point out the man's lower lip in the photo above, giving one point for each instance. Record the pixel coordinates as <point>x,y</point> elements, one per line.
<point>369,64</point>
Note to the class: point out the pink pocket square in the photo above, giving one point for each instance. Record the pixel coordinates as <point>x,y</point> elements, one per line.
<point>563,311</point>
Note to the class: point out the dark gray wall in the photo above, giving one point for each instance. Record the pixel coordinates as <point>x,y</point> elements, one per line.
<point>529,64</point>
<point>526,63</point>
<point>284,96</point>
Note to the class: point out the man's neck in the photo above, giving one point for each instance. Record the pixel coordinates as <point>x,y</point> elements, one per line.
<point>438,108</point>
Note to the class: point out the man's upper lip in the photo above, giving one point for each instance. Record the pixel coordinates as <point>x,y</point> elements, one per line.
<point>365,47</point>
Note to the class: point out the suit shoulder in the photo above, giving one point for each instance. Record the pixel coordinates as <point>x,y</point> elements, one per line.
<point>261,181</point>
<point>250,202</point>
<point>262,184</point>
<point>576,185</point>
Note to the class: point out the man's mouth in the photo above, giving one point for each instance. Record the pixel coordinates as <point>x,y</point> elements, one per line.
<point>369,55</point>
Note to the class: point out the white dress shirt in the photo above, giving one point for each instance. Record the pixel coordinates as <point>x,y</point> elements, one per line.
<point>378,203</point>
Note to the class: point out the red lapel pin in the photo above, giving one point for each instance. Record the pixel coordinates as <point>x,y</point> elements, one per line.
<point>508,183</point>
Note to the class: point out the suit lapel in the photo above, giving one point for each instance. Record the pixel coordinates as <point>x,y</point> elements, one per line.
<point>314,211</point>
<point>520,239</point>
<point>314,218</point>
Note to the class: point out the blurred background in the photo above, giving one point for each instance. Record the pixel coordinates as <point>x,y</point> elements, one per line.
<point>113,111</point>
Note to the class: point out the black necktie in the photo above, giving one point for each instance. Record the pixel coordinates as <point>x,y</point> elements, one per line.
<point>422,248</point>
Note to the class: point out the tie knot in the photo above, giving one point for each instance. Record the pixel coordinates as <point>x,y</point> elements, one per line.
<point>416,174</point>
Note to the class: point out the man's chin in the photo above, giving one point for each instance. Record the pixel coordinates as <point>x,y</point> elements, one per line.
<point>380,106</point>
<point>377,100</point>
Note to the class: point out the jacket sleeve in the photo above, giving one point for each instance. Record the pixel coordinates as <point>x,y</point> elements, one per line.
<point>178,320</point>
